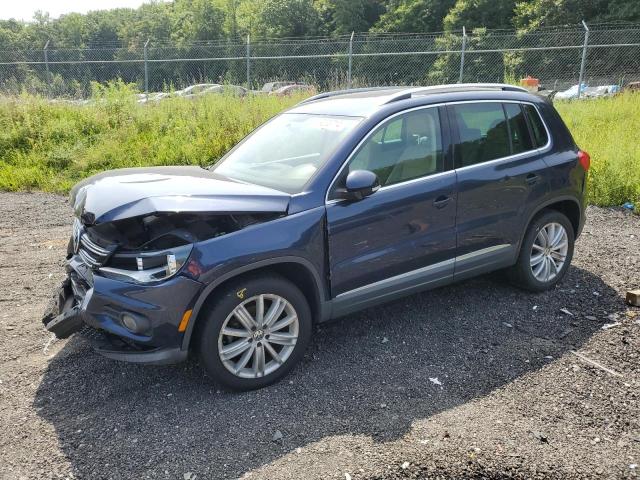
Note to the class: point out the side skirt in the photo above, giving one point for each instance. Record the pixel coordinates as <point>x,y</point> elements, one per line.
<point>425,278</point>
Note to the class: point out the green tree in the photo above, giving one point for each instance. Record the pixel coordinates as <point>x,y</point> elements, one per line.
<point>413,16</point>
<point>346,16</point>
<point>480,13</point>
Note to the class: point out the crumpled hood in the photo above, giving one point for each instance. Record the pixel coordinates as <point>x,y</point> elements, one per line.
<point>130,192</point>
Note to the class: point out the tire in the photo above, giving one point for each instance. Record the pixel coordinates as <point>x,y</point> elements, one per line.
<point>523,273</point>
<point>239,367</point>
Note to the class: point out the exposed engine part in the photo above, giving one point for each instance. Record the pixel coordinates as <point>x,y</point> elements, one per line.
<point>161,231</point>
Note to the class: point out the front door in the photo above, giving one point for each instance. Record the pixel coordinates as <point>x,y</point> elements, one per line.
<point>402,237</point>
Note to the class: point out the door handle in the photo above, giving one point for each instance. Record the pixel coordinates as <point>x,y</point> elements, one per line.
<point>532,179</point>
<point>441,201</point>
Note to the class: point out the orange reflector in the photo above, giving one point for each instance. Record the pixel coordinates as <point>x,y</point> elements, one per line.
<point>185,321</point>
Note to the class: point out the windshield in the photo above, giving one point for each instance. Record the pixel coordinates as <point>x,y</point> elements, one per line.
<point>287,151</point>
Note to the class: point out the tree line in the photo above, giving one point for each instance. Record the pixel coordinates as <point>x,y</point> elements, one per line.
<point>187,21</point>
<point>217,28</point>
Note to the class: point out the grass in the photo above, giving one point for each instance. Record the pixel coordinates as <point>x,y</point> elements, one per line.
<point>608,129</point>
<point>50,146</point>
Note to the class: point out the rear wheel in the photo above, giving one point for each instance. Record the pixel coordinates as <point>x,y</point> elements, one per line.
<point>545,253</point>
<point>255,332</point>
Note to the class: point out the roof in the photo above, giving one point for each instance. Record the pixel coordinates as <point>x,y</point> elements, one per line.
<point>365,101</point>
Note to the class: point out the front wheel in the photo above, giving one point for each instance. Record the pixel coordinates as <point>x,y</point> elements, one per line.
<point>545,253</point>
<point>255,332</point>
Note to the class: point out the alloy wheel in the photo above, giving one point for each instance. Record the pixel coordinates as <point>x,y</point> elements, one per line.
<point>549,252</point>
<point>258,336</point>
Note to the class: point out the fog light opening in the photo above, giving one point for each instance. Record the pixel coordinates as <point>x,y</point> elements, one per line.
<point>130,323</point>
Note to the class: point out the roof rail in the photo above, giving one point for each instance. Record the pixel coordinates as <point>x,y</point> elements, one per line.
<point>320,96</point>
<point>456,87</point>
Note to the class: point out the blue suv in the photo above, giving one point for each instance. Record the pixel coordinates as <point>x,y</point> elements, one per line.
<point>347,200</point>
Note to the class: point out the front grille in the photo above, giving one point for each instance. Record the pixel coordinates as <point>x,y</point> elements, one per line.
<point>91,253</point>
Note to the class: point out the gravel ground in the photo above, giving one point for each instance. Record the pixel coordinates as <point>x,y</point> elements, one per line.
<point>474,380</point>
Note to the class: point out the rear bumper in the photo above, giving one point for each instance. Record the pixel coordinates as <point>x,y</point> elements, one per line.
<point>88,300</point>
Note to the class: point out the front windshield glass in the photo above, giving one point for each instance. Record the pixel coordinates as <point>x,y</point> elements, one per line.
<point>287,151</point>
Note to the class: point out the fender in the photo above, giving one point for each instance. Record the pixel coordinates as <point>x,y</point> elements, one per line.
<point>325,306</point>
<point>544,205</point>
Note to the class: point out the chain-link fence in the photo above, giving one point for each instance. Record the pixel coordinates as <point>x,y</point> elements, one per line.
<point>559,57</point>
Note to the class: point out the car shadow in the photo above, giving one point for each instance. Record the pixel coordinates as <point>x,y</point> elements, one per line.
<point>372,373</point>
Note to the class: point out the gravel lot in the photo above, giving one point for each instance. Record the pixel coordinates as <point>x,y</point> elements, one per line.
<point>514,401</point>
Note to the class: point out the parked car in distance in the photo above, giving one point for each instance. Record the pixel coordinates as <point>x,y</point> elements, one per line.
<point>273,86</point>
<point>294,89</point>
<point>345,201</point>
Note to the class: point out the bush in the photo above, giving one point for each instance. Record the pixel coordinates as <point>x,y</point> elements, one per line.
<point>47,145</point>
<point>608,129</point>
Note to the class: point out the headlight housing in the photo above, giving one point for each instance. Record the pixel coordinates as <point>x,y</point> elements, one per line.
<point>147,267</point>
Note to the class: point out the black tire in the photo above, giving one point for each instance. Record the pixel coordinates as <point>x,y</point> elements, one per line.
<point>521,273</point>
<point>221,307</point>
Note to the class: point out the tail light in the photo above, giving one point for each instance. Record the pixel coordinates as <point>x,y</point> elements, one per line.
<point>584,159</point>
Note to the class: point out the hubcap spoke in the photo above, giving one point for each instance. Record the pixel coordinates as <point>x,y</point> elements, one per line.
<point>285,322</point>
<point>246,356</point>
<point>537,259</point>
<point>282,338</point>
<point>258,336</point>
<point>543,238</point>
<point>236,332</point>
<point>260,310</point>
<point>258,361</point>
<point>243,315</point>
<point>275,355</point>
<point>276,309</point>
<point>234,349</point>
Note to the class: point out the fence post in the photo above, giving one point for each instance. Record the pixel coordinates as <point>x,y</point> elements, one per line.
<point>464,47</point>
<point>248,62</point>
<point>350,60</point>
<point>146,67</point>
<point>584,57</point>
<point>46,61</point>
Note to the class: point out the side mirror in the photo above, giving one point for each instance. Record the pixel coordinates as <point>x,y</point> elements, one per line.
<point>359,184</point>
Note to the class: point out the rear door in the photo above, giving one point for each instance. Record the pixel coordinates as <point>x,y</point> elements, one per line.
<point>500,170</point>
<point>402,237</point>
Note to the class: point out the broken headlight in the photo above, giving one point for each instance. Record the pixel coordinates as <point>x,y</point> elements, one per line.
<point>147,267</point>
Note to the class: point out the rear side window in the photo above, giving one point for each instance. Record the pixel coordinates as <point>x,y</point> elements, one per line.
<point>483,131</point>
<point>518,130</point>
<point>540,138</point>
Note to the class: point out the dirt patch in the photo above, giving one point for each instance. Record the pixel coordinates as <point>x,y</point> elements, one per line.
<point>473,380</point>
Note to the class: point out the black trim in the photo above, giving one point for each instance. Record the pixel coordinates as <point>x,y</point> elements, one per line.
<point>544,205</point>
<point>160,356</point>
<point>324,305</point>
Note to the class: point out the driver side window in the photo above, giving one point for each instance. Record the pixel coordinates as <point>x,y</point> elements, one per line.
<point>406,147</point>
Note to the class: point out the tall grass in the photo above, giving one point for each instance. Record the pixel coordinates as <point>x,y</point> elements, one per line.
<point>609,130</point>
<point>50,146</point>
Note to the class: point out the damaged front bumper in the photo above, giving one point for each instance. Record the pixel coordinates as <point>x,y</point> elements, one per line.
<point>126,321</point>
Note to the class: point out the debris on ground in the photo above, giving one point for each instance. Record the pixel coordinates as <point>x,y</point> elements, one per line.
<point>596,364</point>
<point>633,297</point>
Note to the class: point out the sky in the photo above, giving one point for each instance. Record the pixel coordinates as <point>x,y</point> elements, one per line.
<point>24,9</point>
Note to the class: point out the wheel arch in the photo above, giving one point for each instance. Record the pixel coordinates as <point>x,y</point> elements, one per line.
<point>567,205</point>
<point>297,270</point>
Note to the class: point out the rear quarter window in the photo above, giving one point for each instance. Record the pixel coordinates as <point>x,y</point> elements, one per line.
<point>518,130</point>
<point>540,137</point>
